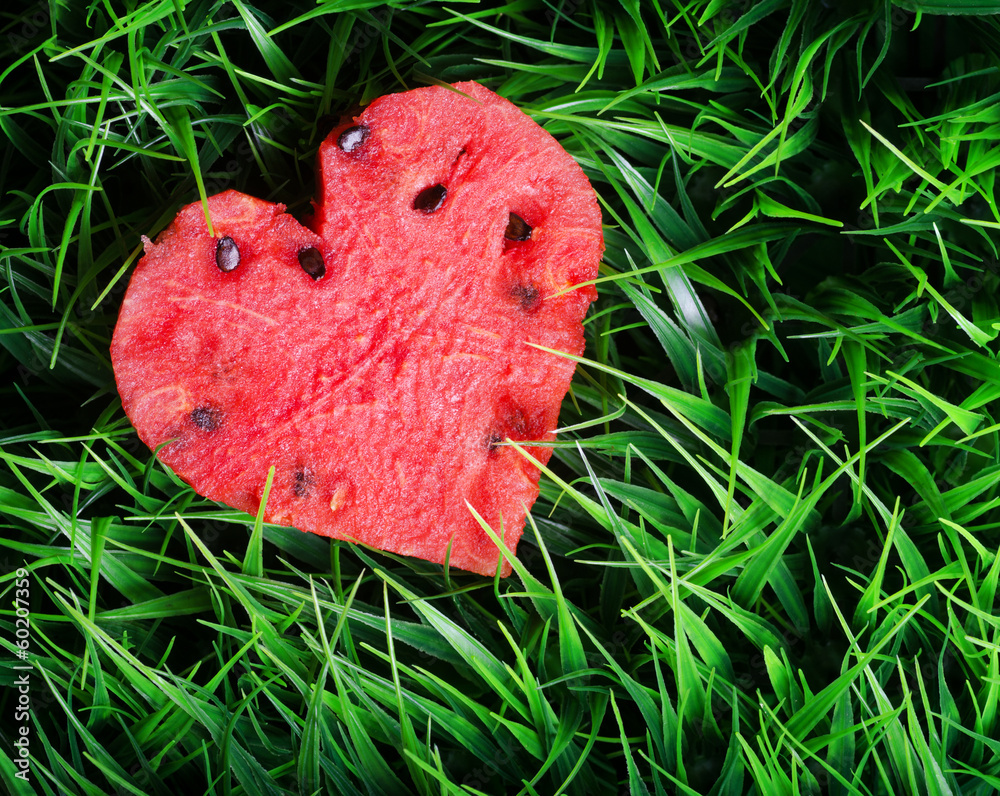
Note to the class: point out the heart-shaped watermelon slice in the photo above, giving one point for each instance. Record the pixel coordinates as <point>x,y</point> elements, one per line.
<point>380,359</point>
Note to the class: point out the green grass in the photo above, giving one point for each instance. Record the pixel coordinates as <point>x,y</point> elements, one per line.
<point>765,555</point>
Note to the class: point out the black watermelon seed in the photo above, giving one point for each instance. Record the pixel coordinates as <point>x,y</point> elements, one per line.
<point>312,263</point>
<point>527,296</point>
<point>517,228</point>
<point>303,482</point>
<point>227,254</point>
<point>510,423</point>
<point>207,418</point>
<point>430,199</point>
<point>517,424</point>
<point>353,137</point>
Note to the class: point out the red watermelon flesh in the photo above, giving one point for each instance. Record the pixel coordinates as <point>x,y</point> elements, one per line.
<point>379,360</point>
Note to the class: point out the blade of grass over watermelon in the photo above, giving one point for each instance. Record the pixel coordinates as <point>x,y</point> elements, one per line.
<point>253,562</point>
<point>181,133</point>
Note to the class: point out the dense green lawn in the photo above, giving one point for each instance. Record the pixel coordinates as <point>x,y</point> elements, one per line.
<point>764,559</point>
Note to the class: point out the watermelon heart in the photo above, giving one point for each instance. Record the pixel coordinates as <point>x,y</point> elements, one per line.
<point>380,359</point>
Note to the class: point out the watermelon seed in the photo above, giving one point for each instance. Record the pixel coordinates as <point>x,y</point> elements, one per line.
<point>303,482</point>
<point>207,418</point>
<point>430,199</point>
<point>518,424</point>
<point>227,254</point>
<point>353,137</point>
<point>527,296</point>
<point>312,263</point>
<point>517,228</point>
<point>339,498</point>
<point>494,441</point>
